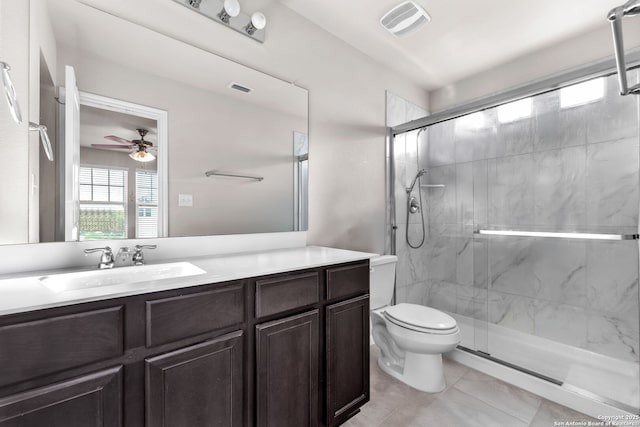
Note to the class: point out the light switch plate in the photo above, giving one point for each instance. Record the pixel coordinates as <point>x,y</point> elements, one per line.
<point>185,200</point>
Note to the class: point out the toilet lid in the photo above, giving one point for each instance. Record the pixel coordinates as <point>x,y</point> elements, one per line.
<point>420,316</point>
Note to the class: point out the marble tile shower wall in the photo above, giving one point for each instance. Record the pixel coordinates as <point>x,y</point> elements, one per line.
<point>411,270</point>
<point>560,169</point>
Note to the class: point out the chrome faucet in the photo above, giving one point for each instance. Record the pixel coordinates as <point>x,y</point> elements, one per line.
<point>138,257</point>
<point>106,259</point>
<point>123,257</point>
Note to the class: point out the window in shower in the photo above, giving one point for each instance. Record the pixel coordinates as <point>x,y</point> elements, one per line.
<point>515,110</point>
<point>582,93</point>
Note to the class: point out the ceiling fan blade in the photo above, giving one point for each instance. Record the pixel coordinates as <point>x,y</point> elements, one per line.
<point>111,146</point>
<point>118,139</point>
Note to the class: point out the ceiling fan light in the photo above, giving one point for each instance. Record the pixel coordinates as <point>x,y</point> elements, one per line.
<point>142,156</point>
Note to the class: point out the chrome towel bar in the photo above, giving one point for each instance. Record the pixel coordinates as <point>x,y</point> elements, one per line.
<point>233,175</point>
<point>559,235</point>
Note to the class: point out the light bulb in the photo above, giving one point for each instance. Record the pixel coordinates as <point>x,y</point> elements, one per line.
<point>230,9</point>
<point>258,22</point>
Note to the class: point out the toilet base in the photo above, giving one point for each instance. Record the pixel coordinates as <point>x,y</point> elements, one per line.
<point>421,371</point>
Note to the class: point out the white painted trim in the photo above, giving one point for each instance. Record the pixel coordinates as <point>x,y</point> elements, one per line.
<point>537,386</point>
<point>162,119</point>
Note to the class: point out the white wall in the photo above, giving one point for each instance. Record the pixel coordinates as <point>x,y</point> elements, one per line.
<point>14,144</point>
<point>572,53</point>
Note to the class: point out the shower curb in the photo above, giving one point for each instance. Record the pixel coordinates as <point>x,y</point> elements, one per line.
<point>542,388</point>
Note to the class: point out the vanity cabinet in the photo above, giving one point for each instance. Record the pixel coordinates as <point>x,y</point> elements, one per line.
<point>288,349</point>
<point>347,353</point>
<point>199,385</point>
<point>287,367</point>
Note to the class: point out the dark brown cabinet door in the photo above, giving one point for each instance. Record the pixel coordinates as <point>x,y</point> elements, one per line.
<point>347,365</point>
<point>200,385</point>
<point>90,400</point>
<point>287,372</point>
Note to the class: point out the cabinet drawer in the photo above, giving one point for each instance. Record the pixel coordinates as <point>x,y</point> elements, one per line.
<point>347,280</point>
<point>93,400</point>
<point>174,318</point>
<point>32,349</point>
<point>286,293</point>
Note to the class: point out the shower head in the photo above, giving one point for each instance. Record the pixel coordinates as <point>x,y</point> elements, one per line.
<point>413,183</point>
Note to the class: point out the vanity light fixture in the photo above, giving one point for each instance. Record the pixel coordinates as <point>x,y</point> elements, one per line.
<point>258,22</point>
<point>142,155</point>
<point>230,9</point>
<point>228,12</point>
<point>44,137</point>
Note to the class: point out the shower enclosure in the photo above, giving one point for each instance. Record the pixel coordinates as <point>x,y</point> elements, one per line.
<point>531,220</point>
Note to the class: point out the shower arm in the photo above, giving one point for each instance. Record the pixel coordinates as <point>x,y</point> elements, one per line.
<point>630,8</point>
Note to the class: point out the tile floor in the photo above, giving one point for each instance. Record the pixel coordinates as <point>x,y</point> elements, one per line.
<point>471,399</point>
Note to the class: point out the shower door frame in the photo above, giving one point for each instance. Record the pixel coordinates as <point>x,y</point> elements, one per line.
<point>557,81</point>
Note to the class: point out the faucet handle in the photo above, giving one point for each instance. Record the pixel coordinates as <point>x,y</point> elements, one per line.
<point>138,257</point>
<point>106,260</point>
<point>92,250</point>
<point>138,248</point>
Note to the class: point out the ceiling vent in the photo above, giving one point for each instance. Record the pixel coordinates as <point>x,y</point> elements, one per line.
<point>404,18</point>
<point>241,88</point>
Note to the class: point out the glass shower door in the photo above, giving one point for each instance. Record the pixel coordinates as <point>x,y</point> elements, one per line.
<point>556,205</point>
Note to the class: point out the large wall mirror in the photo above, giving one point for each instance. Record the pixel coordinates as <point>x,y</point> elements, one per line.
<point>154,137</point>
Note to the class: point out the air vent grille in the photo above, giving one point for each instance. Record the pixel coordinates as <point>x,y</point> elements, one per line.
<point>241,88</point>
<point>404,18</point>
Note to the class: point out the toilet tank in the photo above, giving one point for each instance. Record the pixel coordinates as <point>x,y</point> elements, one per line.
<point>382,276</point>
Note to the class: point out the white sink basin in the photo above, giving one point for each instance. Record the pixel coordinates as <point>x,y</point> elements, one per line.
<point>118,276</point>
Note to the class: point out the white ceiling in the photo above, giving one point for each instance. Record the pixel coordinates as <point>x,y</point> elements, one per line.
<point>463,38</point>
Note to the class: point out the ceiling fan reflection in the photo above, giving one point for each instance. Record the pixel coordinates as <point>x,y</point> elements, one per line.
<point>141,149</point>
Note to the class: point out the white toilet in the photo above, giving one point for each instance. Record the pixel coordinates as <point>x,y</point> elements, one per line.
<point>411,337</point>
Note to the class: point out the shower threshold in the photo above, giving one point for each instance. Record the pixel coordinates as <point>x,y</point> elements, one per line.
<point>510,365</point>
<point>604,379</point>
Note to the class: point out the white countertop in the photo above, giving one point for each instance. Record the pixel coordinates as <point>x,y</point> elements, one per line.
<point>23,292</point>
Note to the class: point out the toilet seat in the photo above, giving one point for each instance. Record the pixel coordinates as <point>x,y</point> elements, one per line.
<point>421,319</point>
